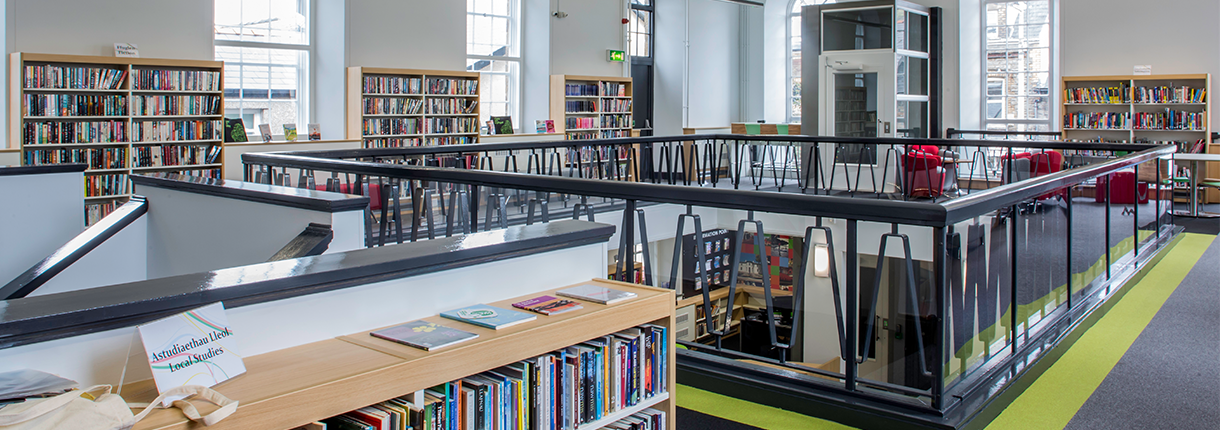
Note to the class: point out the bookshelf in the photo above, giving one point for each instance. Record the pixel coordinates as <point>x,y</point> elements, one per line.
<point>591,107</point>
<point>1163,109</point>
<point>299,385</point>
<point>118,115</point>
<point>393,108</point>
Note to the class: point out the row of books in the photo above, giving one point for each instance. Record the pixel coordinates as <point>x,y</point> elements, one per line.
<point>110,184</point>
<point>608,134</point>
<point>96,158</point>
<point>589,154</point>
<point>175,105</point>
<point>613,89</point>
<point>450,140</point>
<point>1098,95</point>
<point>392,106</point>
<point>583,135</point>
<point>1097,120</point>
<point>384,126</point>
<point>392,142</point>
<point>94,212</point>
<point>580,106</point>
<point>74,105</point>
<point>453,86</point>
<point>156,131</point>
<point>392,85</point>
<point>1165,94</point>
<point>616,121</point>
<point>1170,120</point>
<point>616,106</point>
<point>579,123</point>
<point>175,155</point>
<point>176,80</point>
<point>581,90</point>
<point>74,132</point>
<point>85,78</point>
<point>451,106</point>
<point>451,125</point>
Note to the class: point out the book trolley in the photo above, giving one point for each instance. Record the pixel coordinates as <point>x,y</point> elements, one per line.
<point>118,115</point>
<point>296,386</point>
<point>393,108</point>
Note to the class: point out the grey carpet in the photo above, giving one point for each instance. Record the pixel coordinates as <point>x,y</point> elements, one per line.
<point>1170,377</point>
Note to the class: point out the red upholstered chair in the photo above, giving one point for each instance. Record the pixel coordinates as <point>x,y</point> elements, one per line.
<point>374,194</point>
<point>924,173</point>
<point>1045,163</point>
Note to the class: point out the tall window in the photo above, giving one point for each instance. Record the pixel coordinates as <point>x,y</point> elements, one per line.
<point>266,47</point>
<point>794,56</point>
<point>639,29</point>
<point>1017,50</point>
<point>492,49</point>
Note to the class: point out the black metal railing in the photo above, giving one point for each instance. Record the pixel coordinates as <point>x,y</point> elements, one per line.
<point>1038,250</point>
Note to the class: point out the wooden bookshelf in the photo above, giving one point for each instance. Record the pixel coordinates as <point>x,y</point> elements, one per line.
<point>296,386</point>
<point>1140,113</point>
<point>409,111</point>
<point>127,105</point>
<point>608,111</point>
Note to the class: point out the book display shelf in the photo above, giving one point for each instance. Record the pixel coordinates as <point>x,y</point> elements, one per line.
<point>297,386</point>
<point>1159,109</point>
<point>394,108</point>
<point>591,107</point>
<point>118,115</point>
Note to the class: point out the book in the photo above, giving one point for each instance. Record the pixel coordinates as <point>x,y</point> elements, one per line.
<point>265,130</point>
<point>315,132</point>
<point>487,316</point>
<point>596,294</point>
<point>290,132</point>
<point>550,126</point>
<point>548,305</point>
<point>235,130</point>
<point>502,124</point>
<point>540,126</point>
<point>424,335</point>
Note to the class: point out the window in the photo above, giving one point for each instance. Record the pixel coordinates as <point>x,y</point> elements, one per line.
<point>266,47</point>
<point>794,56</point>
<point>639,29</point>
<point>1017,54</point>
<point>492,49</point>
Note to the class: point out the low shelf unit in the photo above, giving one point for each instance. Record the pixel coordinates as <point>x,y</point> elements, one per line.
<point>118,115</point>
<point>390,108</point>
<point>296,386</point>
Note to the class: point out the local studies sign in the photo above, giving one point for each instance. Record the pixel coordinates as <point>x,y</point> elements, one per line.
<point>196,347</point>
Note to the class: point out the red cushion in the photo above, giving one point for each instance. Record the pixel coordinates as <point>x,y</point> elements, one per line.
<point>1045,163</point>
<point>913,161</point>
<point>1016,156</point>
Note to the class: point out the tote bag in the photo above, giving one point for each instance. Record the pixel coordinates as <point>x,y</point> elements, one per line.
<point>96,409</point>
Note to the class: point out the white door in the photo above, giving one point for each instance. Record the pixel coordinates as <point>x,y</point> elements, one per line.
<point>858,100</point>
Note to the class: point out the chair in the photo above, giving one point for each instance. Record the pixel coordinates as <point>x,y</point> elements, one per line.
<point>924,171</point>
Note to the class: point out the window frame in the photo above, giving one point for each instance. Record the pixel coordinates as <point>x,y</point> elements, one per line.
<point>1051,71</point>
<point>514,93</point>
<point>789,14</point>
<point>651,32</point>
<point>305,83</point>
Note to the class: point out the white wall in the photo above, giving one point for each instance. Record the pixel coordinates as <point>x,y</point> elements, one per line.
<point>701,87</point>
<point>190,232</point>
<point>100,358</point>
<point>39,214</point>
<point>1109,37</point>
<point>162,29</point>
<point>120,259</point>
<point>9,157</point>
<point>579,41</point>
<point>232,157</point>
<point>415,34</point>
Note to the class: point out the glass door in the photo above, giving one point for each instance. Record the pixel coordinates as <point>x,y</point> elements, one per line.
<point>859,102</point>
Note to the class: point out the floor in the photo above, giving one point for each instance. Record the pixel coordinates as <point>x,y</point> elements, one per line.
<point>1150,362</point>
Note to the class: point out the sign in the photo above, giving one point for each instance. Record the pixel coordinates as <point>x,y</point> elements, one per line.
<point>612,55</point>
<point>195,347</point>
<point>126,50</point>
<point>1143,69</point>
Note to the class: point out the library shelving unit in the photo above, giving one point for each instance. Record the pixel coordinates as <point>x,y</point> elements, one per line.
<point>391,108</point>
<point>1140,109</point>
<point>118,115</point>
<point>852,117</point>
<point>591,107</point>
<point>299,385</point>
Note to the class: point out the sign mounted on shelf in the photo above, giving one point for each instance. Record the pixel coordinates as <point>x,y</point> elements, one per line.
<point>126,50</point>
<point>1143,69</point>
<point>616,56</point>
<point>195,347</point>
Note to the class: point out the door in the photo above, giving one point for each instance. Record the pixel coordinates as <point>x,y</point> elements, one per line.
<point>641,110</point>
<point>858,101</point>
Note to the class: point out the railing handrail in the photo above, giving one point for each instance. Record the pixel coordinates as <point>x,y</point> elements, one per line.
<point>954,131</point>
<point>75,249</point>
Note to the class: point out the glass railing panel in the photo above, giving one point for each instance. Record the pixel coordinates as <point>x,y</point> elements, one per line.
<point>1042,285</point>
<point>1088,263</point>
<point>980,296</point>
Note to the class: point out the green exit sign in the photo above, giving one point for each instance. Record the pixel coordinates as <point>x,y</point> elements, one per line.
<point>612,55</point>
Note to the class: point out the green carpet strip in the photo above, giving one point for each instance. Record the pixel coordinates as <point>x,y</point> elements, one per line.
<point>1053,399</point>
<point>749,413</point>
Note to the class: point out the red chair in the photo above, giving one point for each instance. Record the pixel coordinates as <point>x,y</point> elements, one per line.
<point>374,194</point>
<point>924,171</point>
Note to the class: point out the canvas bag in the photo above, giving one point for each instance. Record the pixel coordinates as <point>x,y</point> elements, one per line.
<point>106,411</point>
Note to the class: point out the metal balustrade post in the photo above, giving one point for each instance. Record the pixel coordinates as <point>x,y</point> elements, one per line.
<point>853,311</point>
<point>940,261</point>
<point>1108,257</point>
<point>1068,254</point>
<point>1013,274</point>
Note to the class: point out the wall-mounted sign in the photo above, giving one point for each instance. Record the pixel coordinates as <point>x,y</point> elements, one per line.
<point>612,55</point>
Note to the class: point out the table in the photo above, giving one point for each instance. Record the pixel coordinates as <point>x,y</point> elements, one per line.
<point>1194,160</point>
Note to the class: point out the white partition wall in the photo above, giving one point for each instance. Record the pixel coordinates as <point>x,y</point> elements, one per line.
<point>39,212</point>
